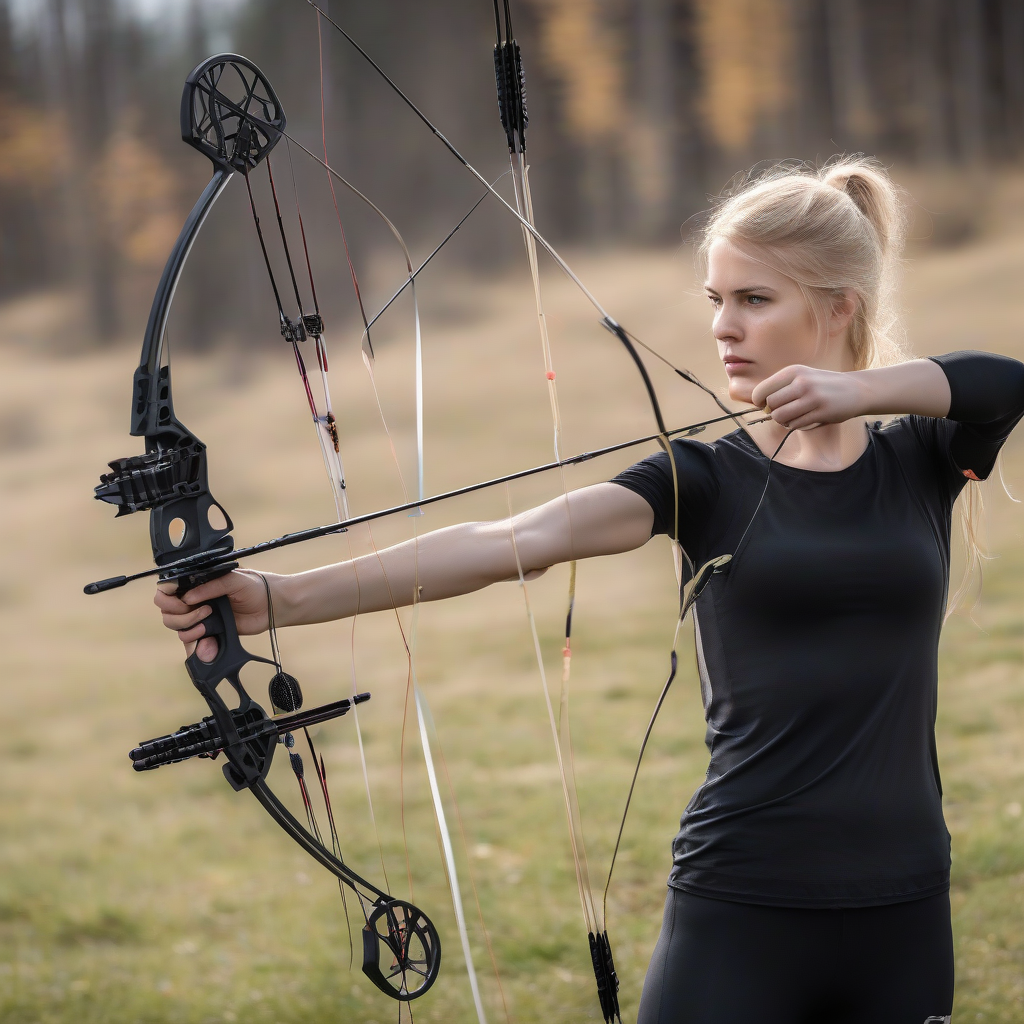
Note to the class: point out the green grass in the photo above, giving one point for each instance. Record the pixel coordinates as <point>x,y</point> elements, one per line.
<point>165,897</point>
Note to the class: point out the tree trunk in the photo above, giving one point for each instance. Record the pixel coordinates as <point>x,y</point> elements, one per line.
<point>94,119</point>
<point>651,147</point>
<point>929,94</point>
<point>852,112</point>
<point>969,106</point>
<point>1012,30</point>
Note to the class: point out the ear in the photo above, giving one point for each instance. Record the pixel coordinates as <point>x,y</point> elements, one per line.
<point>844,306</point>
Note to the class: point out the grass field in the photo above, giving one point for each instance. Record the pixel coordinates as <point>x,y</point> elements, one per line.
<point>165,897</point>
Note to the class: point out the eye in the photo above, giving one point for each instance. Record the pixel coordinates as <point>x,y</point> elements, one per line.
<point>756,300</point>
<point>715,300</point>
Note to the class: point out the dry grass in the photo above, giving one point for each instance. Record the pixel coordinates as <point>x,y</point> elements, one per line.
<point>166,897</point>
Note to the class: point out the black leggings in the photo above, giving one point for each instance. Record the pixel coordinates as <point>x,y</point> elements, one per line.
<point>719,962</point>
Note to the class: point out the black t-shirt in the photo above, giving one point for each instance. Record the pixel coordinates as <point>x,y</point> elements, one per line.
<point>817,651</point>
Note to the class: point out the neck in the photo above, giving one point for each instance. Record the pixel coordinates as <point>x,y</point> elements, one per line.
<point>824,449</point>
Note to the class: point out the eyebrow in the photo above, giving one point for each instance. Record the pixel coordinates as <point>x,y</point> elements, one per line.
<point>750,289</point>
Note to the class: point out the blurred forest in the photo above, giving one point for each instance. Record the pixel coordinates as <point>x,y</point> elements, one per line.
<point>639,109</point>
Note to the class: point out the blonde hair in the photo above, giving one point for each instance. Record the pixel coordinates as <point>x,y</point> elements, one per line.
<point>829,229</point>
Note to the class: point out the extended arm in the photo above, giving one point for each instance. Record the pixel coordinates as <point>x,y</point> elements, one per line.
<point>599,520</point>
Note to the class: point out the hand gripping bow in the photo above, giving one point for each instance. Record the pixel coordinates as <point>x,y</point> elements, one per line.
<point>231,114</point>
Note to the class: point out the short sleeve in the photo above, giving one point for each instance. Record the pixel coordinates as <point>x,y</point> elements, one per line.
<point>699,487</point>
<point>986,403</point>
<point>924,447</point>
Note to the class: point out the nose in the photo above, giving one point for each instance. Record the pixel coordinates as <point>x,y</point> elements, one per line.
<point>726,326</point>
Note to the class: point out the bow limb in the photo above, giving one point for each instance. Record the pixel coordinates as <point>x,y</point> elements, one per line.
<point>147,408</point>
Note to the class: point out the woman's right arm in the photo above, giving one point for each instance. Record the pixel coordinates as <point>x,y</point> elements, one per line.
<point>602,519</point>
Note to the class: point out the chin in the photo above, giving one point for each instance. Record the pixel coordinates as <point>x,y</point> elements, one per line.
<point>741,390</point>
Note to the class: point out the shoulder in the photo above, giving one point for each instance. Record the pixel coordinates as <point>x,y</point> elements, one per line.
<point>922,446</point>
<point>695,460</point>
<point>686,489</point>
<point>925,434</point>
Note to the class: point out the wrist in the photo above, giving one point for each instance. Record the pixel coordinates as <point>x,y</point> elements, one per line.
<point>286,598</point>
<point>868,393</point>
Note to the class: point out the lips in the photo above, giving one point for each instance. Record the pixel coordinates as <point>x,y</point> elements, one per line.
<point>734,366</point>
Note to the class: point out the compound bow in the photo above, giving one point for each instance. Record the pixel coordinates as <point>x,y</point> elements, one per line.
<point>231,114</point>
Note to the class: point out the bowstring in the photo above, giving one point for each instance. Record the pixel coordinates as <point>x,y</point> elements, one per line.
<point>339,489</point>
<point>412,684</point>
<point>560,727</point>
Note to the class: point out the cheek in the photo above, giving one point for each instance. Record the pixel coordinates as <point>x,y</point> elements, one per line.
<point>791,331</point>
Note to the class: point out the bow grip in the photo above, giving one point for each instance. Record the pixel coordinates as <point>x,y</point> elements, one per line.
<point>220,614</point>
<point>215,621</point>
<point>231,656</point>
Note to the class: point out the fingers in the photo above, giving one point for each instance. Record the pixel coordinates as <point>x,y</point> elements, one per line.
<point>177,614</point>
<point>795,411</point>
<point>801,397</point>
<point>168,599</point>
<point>764,393</point>
<point>186,614</point>
<point>206,649</point>
<point>215,588</point>
<point>189,634</point>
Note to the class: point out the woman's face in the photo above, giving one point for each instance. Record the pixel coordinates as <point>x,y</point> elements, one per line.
<point>763,324</point>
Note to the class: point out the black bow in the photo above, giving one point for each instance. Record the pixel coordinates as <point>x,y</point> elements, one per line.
<point>231,114</point>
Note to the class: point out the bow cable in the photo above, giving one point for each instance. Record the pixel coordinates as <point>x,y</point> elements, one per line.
<point>294,332</point>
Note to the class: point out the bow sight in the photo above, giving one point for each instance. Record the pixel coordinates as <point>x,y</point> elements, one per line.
<point>231,114</point>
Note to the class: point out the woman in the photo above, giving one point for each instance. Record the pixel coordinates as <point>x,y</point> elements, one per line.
<point>811,871</point>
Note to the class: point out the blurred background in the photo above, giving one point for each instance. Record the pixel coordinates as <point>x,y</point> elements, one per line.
<point>641,108</point>
<point>166,897</point>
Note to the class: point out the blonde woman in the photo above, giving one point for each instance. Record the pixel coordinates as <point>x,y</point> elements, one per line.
<point>810,874</point>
